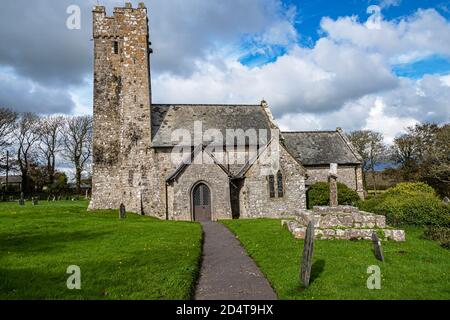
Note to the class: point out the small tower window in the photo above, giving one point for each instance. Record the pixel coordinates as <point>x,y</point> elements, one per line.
<point>116,47</point>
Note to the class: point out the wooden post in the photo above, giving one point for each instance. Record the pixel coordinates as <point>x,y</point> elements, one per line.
<point>308,249</point>
<point>377,247</point>
<point>122,212</point>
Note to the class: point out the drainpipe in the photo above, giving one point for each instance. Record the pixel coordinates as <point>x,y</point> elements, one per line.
<point>167,202</point>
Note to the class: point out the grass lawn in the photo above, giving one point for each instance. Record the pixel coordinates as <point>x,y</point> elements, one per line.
<point>416,269</point>
<point>137,258</point>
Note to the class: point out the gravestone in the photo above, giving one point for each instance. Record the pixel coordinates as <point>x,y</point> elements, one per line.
<point>377,247</point>
<point>35,201</point>
<point>122,212</point>
<point>22,200</point>
<point>308,249</point>
<point>332,179</point>
<point>446,200</point>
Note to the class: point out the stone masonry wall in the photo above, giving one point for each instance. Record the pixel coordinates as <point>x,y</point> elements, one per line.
<point>122,117</point>
<point>343,223</point>
<point>181,189</point>
<point>255,201</point>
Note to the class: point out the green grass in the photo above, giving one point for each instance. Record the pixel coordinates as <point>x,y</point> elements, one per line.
<point>136,258</point>
<point>416,269</point>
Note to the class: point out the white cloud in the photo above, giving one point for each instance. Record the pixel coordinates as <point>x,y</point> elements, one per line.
<point>344,80</point>
<point>390,126</point>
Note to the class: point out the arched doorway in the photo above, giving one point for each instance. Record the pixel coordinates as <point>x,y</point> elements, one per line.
<point>202,202</point>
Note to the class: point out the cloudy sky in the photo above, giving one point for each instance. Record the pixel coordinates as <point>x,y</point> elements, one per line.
<point>380,65</point>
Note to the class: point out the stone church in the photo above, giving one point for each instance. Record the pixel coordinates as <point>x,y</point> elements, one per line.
<point>135,142</point>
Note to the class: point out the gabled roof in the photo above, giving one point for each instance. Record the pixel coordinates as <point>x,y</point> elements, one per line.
<point>190,158</point>
<point>168,118</point>
<point>321,147</point>
<point>241,174</point>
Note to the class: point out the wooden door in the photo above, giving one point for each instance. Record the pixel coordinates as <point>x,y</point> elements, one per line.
<point>202,203</point>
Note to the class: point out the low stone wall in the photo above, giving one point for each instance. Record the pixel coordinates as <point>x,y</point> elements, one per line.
<point>343,222</point>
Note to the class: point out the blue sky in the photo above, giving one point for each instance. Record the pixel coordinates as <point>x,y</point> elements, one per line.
<point>309,14</point>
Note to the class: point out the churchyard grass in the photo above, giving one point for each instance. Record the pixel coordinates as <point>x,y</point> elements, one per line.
<point>134,258</point>
<point>416,269</point>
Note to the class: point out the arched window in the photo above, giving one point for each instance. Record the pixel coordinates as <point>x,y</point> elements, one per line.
<point>272,186</point>
<point>280,184</point>
<point>278,191</point>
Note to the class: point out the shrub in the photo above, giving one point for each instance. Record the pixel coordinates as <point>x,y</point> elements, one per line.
<point>411,204</point>
<point>407,189</point>
<point>440,234</point>
<point>319,195</point>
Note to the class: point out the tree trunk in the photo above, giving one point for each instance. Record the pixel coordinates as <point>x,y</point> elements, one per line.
<point>78,181</point>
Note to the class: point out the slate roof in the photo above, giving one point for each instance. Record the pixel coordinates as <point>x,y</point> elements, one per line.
<point>167,118</point>
<point>320,148</point>
<point>309,147</point>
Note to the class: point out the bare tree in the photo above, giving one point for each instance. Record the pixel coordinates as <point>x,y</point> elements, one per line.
<point>50,143</point>
<point>370,146</point>
<point>26,137</point>
<point>77,142</point>
<point>8,120</point>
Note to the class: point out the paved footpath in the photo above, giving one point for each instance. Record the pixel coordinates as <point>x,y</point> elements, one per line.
<point>227,272</point>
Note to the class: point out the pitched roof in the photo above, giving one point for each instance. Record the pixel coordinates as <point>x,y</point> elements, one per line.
<point>167,118</point>
<point>190,158</point>
<point>321,147</point>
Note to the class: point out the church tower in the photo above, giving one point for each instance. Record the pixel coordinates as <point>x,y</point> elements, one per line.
<point>122,108</point>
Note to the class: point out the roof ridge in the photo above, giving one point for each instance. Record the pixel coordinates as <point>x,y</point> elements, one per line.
<point>205,104</point>
<point>311,131</point>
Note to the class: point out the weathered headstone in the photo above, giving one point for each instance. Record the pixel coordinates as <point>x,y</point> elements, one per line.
<point>35,201</point>
<point>332,179</point>
<point>21,200</point>
<point>377,247</point>
<point>308,249</point>
<point>446,200</point>
<point>122,212</point>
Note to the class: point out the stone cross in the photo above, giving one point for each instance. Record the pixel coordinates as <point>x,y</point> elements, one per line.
<point>122,212</point>
<point>308,249</point>
<point>377,247</point>
<point>22,200</point>
<point>332,179</point>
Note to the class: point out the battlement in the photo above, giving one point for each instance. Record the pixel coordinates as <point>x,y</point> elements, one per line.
<point>120,23</point>
<point>128,6</point>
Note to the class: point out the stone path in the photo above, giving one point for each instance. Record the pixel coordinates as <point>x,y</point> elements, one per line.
<point>227,272</point>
